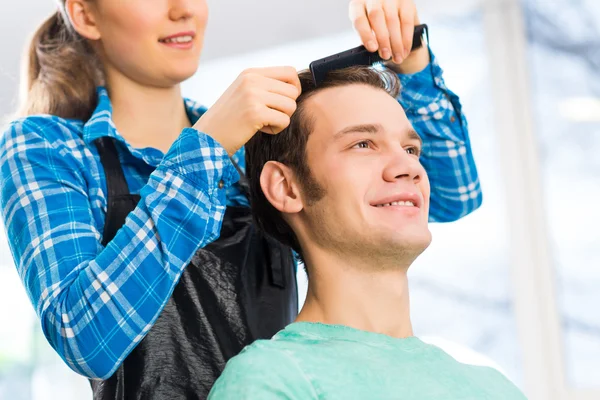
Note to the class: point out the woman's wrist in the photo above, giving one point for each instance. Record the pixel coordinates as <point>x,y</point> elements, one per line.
<point>416,62</point>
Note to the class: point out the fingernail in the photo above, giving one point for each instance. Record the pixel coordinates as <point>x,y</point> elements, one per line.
<point>372,46</point>
<point>406,53</point>
<point>398,57</point>
<point>385,54</point>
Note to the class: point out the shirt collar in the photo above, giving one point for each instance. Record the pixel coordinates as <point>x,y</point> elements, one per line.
<point>101,123</point>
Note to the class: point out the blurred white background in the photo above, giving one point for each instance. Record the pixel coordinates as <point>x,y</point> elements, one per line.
<point>515,284</point>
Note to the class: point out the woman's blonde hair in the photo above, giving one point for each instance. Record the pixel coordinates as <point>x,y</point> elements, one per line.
<point>61,71</point>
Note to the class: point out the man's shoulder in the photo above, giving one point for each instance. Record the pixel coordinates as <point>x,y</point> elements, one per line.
<point>494,382</point>
<point>474,371</point>
<point>266,369</point>
<point>263,355</point>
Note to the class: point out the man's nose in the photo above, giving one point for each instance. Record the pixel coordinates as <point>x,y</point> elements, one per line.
<point>402,165</point>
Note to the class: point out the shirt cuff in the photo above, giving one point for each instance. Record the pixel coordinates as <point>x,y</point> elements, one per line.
<point>201,159</point>
<point>419,90</point>
<point>430,76</point>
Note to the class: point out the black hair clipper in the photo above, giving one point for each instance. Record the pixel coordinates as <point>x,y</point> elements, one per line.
<point>354,57</point>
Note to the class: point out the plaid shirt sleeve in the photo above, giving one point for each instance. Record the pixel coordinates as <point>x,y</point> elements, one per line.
<point>436,115</point>
<point>95,304</point>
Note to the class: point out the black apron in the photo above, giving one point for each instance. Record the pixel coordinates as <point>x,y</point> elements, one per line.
<point>240,288</point>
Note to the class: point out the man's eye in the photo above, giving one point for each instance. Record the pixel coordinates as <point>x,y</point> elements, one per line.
<point>365,144</point>
<point>413,151</point>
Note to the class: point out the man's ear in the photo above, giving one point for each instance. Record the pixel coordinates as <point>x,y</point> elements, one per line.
<point>279,186</point>
<point>82,18</point>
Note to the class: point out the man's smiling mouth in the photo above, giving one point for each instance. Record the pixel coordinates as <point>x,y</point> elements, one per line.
<point>404,199</point>
<point>397,203</point>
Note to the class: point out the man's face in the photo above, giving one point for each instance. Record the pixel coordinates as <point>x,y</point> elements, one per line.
<point>364,153</point>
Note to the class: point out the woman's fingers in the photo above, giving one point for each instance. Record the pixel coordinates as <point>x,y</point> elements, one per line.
<point>386,26</point>
<point>360,21</point>
<point>377,20</point>
<point>390,8</point>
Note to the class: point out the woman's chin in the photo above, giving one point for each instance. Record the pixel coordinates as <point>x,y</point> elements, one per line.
<point>178,76</point>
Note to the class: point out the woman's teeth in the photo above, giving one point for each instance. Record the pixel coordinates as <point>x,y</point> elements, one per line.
<point>398,203</point>
<point>179,39</point>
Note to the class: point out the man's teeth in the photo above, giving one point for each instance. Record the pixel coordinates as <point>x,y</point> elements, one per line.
<point>179,39</point>
<point>398,203</point>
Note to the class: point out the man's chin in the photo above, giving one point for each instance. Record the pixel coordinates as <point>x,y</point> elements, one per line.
<point>405,248</point>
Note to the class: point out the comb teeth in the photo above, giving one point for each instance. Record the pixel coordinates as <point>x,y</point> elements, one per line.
<point>349,58</point>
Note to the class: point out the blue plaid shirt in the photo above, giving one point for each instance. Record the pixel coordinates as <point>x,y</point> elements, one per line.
<point>96,304</point>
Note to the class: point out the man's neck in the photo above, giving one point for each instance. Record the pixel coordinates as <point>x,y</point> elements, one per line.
<point>147,116</point>
<point>358,295</point>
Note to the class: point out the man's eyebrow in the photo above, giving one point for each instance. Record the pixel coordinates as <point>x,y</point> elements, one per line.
<point>362,128</point>
<point>373,128</point>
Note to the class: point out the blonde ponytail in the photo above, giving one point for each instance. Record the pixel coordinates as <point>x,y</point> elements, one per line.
<point>61,72</point>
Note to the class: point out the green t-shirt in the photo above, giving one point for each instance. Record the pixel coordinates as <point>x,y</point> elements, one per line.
<point>316,361</point>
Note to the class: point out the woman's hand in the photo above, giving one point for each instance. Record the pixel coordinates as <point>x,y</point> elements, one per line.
<point>386,26</point>
<point>261,99</point>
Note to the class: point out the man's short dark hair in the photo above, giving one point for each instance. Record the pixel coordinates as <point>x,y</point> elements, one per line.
<point>289,147</point>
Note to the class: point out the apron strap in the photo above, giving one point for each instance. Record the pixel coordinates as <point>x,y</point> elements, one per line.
<point>115,178</point>
<point>119,202</point>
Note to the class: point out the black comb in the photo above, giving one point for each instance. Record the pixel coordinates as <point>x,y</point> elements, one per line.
<point>354,57</point>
